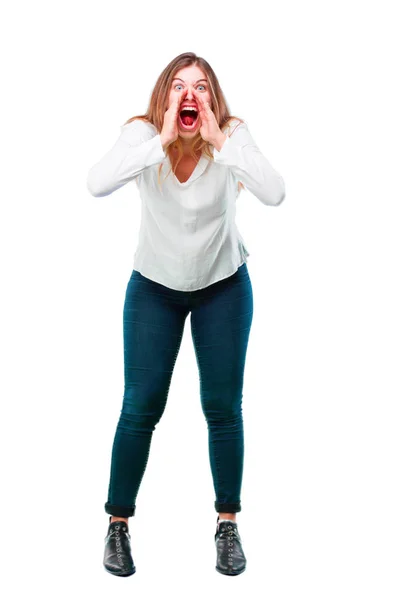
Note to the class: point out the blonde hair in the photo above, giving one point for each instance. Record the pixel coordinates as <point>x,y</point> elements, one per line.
<point>159,100</point>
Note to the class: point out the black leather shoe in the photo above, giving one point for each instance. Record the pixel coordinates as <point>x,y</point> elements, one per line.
<point>230,556</point>
<point>117,552</point>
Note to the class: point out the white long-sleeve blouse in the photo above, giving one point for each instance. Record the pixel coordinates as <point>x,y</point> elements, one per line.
<point>188,238</point>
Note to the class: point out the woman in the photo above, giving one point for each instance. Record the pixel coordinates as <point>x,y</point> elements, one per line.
<point>190,259</point>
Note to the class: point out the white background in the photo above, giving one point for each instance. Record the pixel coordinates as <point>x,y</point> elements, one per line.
<point>317,83</point>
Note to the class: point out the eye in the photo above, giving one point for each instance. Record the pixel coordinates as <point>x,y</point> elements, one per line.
<point>201,85</point>
<point>178,84</point>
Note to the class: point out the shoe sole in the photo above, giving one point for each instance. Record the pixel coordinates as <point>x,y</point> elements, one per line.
<point>121,574</point>
<point>227,572</point>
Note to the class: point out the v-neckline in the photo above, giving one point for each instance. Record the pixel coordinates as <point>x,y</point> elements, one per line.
<point>197,171</point>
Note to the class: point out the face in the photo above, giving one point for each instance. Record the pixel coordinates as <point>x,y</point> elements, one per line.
<point>189,79</point>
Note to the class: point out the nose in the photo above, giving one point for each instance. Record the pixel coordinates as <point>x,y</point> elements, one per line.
<point>189,94</point>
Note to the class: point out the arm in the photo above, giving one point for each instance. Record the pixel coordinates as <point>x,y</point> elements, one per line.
<point>242,155</point>
<point>136,149</point>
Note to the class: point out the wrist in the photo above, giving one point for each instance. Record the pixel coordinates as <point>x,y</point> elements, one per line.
<point>219,141</point>
<point>164,142</point>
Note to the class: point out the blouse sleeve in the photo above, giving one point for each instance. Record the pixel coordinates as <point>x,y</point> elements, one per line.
<point>241,154</point>
<point>136,149</point>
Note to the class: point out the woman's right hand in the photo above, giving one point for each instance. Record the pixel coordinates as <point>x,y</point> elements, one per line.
<point>170,132</point>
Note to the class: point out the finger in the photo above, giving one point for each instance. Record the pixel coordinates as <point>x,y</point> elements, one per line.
<point>197,95</point>
<point>205,107</point>
<point>202,112</point>
<point>178,101</point>
<point>201,103</point>
<point>179,97</point>
<point>201,97</point>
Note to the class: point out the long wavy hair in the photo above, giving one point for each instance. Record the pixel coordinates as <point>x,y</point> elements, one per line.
<point>159,103</point>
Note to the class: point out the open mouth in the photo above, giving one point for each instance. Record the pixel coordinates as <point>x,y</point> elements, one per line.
<point>188,118</point>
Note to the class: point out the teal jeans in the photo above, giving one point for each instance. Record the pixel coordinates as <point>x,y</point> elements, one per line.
<point>153,323</point>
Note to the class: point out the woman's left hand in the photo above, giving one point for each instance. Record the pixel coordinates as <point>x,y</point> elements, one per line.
<point>209,130</point>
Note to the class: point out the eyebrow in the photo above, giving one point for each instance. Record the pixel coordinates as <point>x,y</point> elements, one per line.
<point>178,79</point>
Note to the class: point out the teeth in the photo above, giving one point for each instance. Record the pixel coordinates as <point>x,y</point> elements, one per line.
<point>193,109</point>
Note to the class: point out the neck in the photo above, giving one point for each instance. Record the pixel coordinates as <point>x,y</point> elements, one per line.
<point>186,148</point>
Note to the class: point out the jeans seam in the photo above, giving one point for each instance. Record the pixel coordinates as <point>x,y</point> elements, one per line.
<point>213,445</point>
